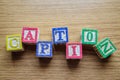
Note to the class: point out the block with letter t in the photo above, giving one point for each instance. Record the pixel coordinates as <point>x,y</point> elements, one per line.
<point>44,49</point>
<point>105,48</point>
<point>89,36</point>
<point>30,35</point>
<point>60,35</point>
<point>14,43</point>
<point>74,50</point>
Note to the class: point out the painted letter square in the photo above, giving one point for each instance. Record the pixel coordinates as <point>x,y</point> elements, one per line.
<point>30,35</point>
<point>60,35</point>
<point>44,49</point>
<point>89,36</point>
<point>14,43</point>
<point>74,50</point>
<point>105,48</point>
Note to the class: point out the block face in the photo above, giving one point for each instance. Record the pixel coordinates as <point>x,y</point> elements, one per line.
<point>89,36</point>
<point>44,49</point>
<point>105,48</point>
<point>73,51</point>
<point>14,43</point>
<point>30,35</point>
<point>60,35</point>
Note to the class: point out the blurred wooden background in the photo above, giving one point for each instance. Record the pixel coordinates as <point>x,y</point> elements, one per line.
<point>103,15</point>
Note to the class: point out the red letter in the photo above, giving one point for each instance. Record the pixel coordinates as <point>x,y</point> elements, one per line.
<point>74,51</point>
<point>29,35</point>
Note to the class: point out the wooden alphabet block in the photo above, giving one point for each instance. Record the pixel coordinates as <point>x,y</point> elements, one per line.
<point>105,48</point>
<point>74,50</point>
<point>60,35</point>
<point>14,43</point>
<point>44,49</point>
<point>89,36</point>
<point>30,35</point>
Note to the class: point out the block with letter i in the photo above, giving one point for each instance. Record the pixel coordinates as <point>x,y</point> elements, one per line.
<point>74,50</point>
<point>60,35</point>
<point>14,43</point>
<point>44,49</point>
<point>30,35</point>
<point>89,36</point>
<point>105,48</point>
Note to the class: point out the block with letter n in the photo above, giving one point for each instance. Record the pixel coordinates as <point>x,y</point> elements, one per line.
<point>14,43</point>
<point>89,36</point>
<point>30,35</point>
<point>74,50</point>
<point>60,35</point>
<point>105,48</point>
<point>44,49</point>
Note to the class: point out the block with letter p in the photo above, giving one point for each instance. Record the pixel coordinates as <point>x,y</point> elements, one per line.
<point>74,50</point>
<point>60,35</point>
<point>44,49</point>
<point>89,36</point>
<point>14,43</point>
<point>105,48</point>
<point>30,35</point>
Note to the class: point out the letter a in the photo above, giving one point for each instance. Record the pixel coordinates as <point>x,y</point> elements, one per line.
<point>29,36</point>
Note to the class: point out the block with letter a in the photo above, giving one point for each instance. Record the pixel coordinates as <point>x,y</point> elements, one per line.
<point>30,35</point>
<point>105,48</point>
<point>74,50</point>
<point>60,35</point>
<point>44,49</point>
<point>14,43</point>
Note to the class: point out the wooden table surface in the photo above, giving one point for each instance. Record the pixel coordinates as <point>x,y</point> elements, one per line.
<point>103,15</point>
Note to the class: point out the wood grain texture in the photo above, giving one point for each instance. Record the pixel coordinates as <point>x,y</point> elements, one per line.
<point>103,15</point>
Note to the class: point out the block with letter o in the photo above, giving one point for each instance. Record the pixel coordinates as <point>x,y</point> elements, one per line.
<point>89,36</point>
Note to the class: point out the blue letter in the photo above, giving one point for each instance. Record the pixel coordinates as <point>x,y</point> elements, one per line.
<point>44,47</point>
<point>60,34</point>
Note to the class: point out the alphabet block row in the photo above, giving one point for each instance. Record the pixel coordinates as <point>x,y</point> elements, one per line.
<point>60,36</point>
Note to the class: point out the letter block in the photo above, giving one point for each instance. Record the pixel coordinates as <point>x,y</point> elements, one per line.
<point>30,35</point>
<point>14,43</point>
<point>89,36</point>
<point>105,48</point>
<point>44,49</point>
<point>74,50</point>
<point>60,35</point>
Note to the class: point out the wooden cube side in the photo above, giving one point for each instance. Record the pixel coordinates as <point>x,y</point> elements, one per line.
<point>60,35</point>
<point>89,36</point>
<point>14,43</point>
<point>30,35</point>
<point>105,48</point>
<point>74,50</point>
<point>44,49</point>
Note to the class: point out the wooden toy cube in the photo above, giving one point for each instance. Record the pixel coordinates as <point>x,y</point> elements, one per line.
<point>89,36</point>
<point>60,35</point>
<point>105,48</point>
<point>30,35</point>
<point>14,43</point>
<point>74,50</point>
<point>44,49</point>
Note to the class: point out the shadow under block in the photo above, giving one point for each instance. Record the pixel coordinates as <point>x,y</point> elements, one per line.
<point>14,43</point>
<point>105,48</point>
<point>74,50</point>
<point>89,36</point>
<point>60,35</point>
<point>44,49</point>
<point>30,35</point>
